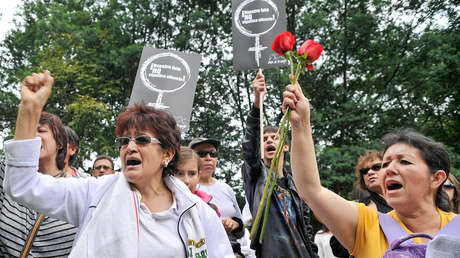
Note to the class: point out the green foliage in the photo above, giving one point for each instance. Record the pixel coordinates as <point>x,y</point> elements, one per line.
<point>379,73</point>
<point>94,137</point>
<point>336,167</point>
<point>8,109</point>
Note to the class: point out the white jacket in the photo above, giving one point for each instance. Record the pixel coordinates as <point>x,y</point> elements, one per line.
<point>106,209</point>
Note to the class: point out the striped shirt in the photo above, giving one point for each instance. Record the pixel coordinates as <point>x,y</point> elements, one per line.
<point>54,238</point>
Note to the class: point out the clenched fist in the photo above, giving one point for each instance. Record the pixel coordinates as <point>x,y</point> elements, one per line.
<point>36,89</point>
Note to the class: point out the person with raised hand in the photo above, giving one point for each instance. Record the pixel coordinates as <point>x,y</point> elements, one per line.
<point>288,217</point>
<point>414,169</point>
<point>25,231</point>
<point>140,212</point>
<point>367,170</point>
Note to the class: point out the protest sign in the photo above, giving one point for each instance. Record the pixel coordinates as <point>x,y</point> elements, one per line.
<point>255,25</point>
<point>167,80</point>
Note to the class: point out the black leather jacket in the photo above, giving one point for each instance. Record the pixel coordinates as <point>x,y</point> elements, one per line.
<point>255,174</point>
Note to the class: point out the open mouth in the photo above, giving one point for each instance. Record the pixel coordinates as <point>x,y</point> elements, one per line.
<point>394,186</point>
<point>270,148</point>
<point>133,162</point>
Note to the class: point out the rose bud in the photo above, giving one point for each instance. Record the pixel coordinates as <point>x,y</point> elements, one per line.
<point>283,42</point>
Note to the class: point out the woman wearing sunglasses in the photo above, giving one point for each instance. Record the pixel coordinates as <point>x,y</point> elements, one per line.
<point>367,170</point>
<point>142,212</point>
<point>414,167</point>
<point>452,189</point>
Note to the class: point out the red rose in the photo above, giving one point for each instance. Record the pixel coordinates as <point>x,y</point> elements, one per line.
<point>283,42</point>
<point>313,51</point>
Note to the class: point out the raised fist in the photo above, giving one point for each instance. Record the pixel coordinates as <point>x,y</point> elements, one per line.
<point>36,89</point>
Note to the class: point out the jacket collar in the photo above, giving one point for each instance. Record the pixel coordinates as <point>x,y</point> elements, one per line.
<point>184,198</point>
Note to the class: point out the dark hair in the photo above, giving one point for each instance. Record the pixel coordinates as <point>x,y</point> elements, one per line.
<point>357,193</point>
<point>274,129</point>
<point>187,153</point>
<point>162,124</point>
<point>369,155</point>
<point>433,153</point>
<point>104,157</point>
<point>57,128</point>
<point>456,200</point>
<point>270,128</point>
<point>72,138</point>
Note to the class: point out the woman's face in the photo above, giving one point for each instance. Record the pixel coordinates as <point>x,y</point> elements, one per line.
<point>187,172</point>
<point>406,180</point>
<point>48,151</point>
<point>207,162</point>
<point>142,163</point>
<point>371,178</point>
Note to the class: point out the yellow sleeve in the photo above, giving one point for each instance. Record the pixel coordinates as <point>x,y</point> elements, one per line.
<point>369,240</point>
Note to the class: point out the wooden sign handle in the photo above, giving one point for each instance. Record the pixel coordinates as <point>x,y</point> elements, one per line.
<point>261,119</point>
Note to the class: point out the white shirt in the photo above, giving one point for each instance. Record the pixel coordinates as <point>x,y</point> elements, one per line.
<point>224,198</point>
<point>322,241</point>
<point>158,236</point>
<point>106,209</point>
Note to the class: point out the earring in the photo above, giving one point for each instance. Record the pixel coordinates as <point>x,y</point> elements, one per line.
<point>165,163</point>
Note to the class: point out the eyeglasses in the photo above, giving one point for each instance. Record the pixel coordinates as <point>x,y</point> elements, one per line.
<point>448,186</point>
<point>203,154</point>
<point>102,167</point>
<point>139,140</point>
<point>375,167</point>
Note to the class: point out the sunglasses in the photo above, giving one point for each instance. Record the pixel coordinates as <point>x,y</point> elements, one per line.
<point>102,167</point>
<point>139,140</point>
<point>203,154</point>
<point>375,167</point>
<point>448,186</point>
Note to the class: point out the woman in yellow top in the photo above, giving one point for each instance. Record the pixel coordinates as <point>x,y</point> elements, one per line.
<point>414,169</point>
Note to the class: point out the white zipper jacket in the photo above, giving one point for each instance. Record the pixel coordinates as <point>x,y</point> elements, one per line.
<point>106,209</point>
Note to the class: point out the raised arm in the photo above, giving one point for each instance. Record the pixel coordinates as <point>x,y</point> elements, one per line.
<point>338,214</point>
<point>63,198</point>
<point>22,182</point>
<point>35,90</point>
<point>251,141</point>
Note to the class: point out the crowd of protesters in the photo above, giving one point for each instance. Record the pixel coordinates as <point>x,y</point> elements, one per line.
<point>167,202</point>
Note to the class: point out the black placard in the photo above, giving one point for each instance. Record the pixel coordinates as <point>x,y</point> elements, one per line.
<point>167,80</point>
<point>255,24</point>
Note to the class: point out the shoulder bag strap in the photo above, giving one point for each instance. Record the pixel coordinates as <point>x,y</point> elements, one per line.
<point>452,228</point>
<point>33,232</point>
<point>390,227</point>
<point>30,240</point>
